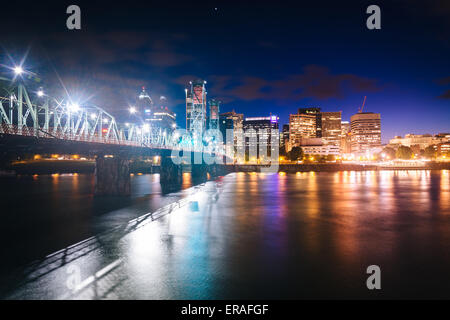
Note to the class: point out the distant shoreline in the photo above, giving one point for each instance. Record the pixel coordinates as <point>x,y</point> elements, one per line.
<point>337,167</point>
<point>88,167</point>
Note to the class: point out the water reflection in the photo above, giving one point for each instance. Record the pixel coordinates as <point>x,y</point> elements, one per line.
<point>304,235</point>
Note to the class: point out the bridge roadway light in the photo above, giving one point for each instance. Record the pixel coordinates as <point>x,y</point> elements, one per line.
<point>132,110</point>
<point>93,116</point>
<point>74,107</point>
<point>40,93</point>
<point>18,70</point>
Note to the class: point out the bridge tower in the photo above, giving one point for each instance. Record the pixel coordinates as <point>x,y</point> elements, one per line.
<point>196,111</point>
<point>214,106</point>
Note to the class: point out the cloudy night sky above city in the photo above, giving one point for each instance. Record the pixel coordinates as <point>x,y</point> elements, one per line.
<point>226,156</point>
<point>273,57</point>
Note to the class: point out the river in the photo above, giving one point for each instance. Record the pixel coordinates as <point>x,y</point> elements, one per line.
<point>246,235</point>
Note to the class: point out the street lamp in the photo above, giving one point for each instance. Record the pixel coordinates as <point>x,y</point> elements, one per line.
<point>18,70</point>
<point>40,92</point>
<point>132,110</point>
<point>74,107</point>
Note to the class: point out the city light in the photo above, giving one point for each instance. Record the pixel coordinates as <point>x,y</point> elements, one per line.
<point>40,93</point>
<point>18,70</point>
<point>74,107</point>
<point>132,110</point>
<point>146,128</point>
<point>105,120</point>
<point>93,116</point>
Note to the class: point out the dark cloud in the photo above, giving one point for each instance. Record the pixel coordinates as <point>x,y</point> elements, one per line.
<point>315,82</point>
<point>444,82</point>
<point>445,95</point>
<point>164,59</point>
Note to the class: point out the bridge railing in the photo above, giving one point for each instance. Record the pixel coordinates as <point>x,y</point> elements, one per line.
<point>10,129</point>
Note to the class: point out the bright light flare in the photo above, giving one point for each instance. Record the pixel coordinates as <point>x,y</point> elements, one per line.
<point>40,93</point>
<point>132,110</point>
<point>74,107</point>
<point>18,70</point>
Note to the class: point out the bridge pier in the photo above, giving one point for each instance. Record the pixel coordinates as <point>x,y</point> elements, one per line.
<point>112,176</point>
<point>199,168</point>
<point>171,174</point>
<point>215,170</point>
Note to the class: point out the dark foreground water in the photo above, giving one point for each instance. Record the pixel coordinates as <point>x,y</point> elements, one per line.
<point>247,235</point>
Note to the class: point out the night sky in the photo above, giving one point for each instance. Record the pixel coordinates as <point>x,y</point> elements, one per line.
<point>258,57</point>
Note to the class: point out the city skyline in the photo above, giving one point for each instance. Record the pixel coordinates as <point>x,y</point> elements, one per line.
<point>223,157</point>
<point>331,63</point>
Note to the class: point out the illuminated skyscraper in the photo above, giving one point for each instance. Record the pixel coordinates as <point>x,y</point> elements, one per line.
<point>318,119</point>
<point>234,121</point>
<point>258,135</point>
<point>346,143</point>
<point>331,127</point>
<point>301,125</point>
<point>365,131</point>
<point>144,104</point>
<point>160,120</point>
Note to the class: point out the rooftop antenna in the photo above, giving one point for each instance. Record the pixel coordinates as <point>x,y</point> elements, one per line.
<point>360,110</point>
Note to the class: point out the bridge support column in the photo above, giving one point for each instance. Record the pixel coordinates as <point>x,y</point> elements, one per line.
<point>112,176</point>
<point>215,170</point>
<point>171,174</point>
<point>198,168</point>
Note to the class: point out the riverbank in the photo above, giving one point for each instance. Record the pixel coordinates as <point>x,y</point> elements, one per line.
<point>335,167</point>
<point>87,166</point>
<point>32,167</point>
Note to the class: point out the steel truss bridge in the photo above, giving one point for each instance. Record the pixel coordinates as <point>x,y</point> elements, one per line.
<point>25,113</point>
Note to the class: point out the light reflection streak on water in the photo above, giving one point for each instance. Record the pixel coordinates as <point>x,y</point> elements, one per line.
<point>290,230</point>
<point>445,190</point>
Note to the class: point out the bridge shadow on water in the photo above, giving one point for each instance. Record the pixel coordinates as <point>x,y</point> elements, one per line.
<point>26,282</point>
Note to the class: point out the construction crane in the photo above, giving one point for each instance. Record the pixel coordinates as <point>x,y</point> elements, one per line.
<point>360,110</point>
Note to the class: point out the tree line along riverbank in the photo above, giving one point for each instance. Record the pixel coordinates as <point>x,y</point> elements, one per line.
<point>88,166</point>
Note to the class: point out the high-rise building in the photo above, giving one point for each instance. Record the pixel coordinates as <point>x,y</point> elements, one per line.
<point>365,131</point>
<point>160,120</point>
<point>234,121</point>
<point>284,137</point>
<point>301,125</point>
<point>258,134</point>
<point>346,143</point>
<point>331,127</point>
<point>144,104</point>
<point>231,120</point>
<point>318,123</point>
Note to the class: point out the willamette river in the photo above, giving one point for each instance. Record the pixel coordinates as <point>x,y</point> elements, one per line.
<point>247,235</point>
